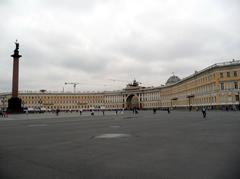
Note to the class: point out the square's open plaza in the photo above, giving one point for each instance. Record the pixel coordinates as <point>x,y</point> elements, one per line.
<point>171,146</point>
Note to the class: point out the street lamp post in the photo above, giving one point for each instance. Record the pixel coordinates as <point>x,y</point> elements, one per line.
<point>189,101</point>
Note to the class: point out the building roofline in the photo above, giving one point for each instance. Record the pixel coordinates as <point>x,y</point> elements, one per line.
<point>209,68</point>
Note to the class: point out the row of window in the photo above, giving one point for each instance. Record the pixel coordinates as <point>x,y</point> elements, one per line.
<point>202,100</point>
<point>228,85</point>
<point>235,74</point>
<point>195,82</point>
<point>62,97</point>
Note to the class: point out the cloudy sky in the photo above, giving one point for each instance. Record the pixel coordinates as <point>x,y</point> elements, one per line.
<point>94,41</point>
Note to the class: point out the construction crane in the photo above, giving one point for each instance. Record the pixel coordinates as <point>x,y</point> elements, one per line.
<point>74,85</point>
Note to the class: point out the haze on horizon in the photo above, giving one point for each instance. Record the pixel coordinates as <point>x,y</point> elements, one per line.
<point>93,41</point>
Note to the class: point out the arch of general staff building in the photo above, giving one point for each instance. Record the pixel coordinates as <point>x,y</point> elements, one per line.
<point>215,87</point>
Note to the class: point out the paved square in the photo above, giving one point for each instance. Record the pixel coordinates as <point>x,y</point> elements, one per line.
<point>170,146</point>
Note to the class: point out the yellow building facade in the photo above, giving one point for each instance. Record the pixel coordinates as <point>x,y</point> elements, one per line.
<point>216,86</point>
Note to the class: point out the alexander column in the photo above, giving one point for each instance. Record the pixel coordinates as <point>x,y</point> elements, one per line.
<point>14,103</point>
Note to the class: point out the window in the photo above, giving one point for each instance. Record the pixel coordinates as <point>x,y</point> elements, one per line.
<point>221,75</point>
<point>228,85</point>
<point>235,73</point>
<point>228,74</point>
<point>222,99</point>
<point>237,97</point>
<point>222,86</point>
<point>235,85</point>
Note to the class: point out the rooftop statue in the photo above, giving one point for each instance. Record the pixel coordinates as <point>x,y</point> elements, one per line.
<point>17,45</point>
<point>16,51</point>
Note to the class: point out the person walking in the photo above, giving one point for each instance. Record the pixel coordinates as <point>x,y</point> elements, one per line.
<point>92,113</point>
<point>57,112</point>
<point>190,108</point>
<point>135,111</point>
<point>204,112</point>
<point>3,113</point>
<point>168,110</point>
<point>154,110</point>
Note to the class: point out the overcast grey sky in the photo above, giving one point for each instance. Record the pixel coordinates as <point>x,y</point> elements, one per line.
<point>93,41</point>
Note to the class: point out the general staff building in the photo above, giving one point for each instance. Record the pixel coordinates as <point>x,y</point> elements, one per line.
<point>215,87</point>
